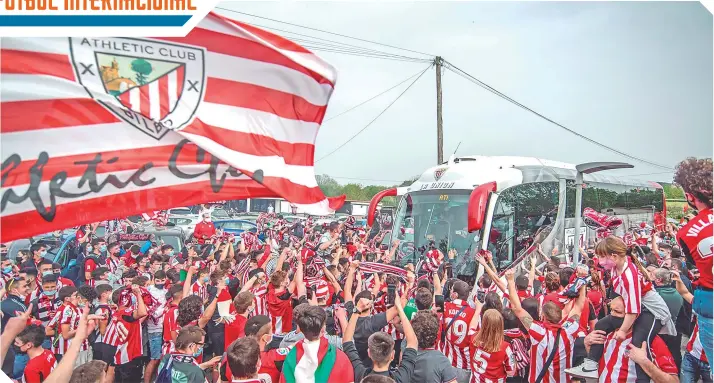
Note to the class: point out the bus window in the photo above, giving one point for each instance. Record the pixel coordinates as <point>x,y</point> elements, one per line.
<point>521,212</point>
<point>615,199</point>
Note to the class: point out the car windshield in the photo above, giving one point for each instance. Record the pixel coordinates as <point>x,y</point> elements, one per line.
<point>438,217</point>
<point>219,214</point>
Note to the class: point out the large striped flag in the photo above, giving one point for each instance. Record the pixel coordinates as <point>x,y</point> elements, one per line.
<point>95,128</point>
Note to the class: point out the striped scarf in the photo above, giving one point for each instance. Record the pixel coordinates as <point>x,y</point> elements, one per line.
<point>374,267</point>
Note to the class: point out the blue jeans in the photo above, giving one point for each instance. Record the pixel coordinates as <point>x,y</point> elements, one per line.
<point>20,363</point>
<point>693,369</point>
<point>702,306</point>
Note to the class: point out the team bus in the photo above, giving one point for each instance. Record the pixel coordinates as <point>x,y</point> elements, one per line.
<point>510,206</point>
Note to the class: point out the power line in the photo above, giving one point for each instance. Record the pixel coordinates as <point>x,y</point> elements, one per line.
<point>483,85</point>
<point>331,43</point>
<point>375,119</point>
<point>373,97</point>
<point>328,32</point>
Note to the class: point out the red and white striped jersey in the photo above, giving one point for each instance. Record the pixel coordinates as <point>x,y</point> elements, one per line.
<point>542,336</point>
<point>112,264</point>
<point>457,344</point>
<point>102,311</point>
<point>131,348</point>
<point>67,314</point>
<point>632,286</point>
<point>617,367</point>
<point>169,325</point>
<point>694,346</point>
<point>492,367</point>
<point>200,290</point>
<point>261,304</point>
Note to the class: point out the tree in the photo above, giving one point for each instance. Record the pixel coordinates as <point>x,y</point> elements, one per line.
<point>143,69</point>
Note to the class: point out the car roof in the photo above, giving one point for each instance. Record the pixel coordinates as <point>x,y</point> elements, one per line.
<point>161,231</point>
<point>233,220</point>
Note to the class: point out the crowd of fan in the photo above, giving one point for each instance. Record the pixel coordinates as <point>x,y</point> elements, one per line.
<point>311,303</point>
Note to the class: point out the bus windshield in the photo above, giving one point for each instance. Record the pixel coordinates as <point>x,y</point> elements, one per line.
<point>439,216</point>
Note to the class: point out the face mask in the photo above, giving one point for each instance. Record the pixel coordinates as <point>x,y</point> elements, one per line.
<point>160,286</point>
<point>171,253</point>
<point>205,279</point>
<point>227,280</point>
<point>19,350</point>
<point>7,270</point>
<point>133,300</point>
<point>89,249</point>
<point>46,273</point>
<point>662,254</point>
<point>43,253</point>
<point>207,219</point>
<point>198,353</point>
<point>81,305</point>
<point>50,293</point>
<point>607,263</point>
<point>103,248</point>
<point>56,273</point>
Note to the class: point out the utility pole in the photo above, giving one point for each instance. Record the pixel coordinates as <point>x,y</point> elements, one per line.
<point>439,123</point>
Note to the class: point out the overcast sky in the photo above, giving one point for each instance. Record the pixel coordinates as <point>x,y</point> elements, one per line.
<point>634,75</point>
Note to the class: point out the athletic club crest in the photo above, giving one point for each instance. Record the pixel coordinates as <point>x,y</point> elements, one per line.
<point>439,172</point>
<point>154,86</point>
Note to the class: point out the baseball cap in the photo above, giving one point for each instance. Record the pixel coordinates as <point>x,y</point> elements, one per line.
<point>255,323</point>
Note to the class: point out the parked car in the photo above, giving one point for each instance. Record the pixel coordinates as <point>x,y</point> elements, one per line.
<point>187,223</point>
<point>293,218</point>
<point>180,211</point>
<point>236,226</point>
<point>219,214</point>
<point>171,235</point>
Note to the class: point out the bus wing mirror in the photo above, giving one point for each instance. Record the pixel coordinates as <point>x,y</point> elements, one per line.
<point>375,201</point>
<point>478,201</point>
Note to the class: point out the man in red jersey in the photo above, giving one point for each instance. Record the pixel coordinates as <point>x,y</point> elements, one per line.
<point>42,361</point>
<point>170,326</point>
<point>455,323</point>
<point>543,334</point>
<point>129,353</point>
<point>259,328</point>
<point>697,240</point>
<point>205,229</point>
<point>244,305</point>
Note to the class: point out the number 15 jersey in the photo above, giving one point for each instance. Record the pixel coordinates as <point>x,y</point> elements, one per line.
<point>457,344</point>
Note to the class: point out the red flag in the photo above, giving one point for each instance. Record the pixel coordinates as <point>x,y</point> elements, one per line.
<point>98,128</point>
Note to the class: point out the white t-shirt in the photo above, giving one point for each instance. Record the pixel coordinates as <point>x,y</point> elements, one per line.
<point>158,325</point>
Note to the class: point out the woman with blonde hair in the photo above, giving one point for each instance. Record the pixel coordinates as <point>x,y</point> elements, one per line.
<point>492,360</point>
<point>646,313</point>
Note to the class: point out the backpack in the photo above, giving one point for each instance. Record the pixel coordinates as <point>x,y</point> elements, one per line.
<point>165,372</point>
<point>82,262</point>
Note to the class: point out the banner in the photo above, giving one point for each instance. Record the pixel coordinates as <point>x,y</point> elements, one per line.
<point>96,128</point>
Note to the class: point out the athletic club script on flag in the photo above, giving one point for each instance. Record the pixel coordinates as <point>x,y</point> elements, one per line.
<point>94,128</point>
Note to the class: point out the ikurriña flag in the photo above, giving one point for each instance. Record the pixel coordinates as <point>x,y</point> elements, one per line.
<point>94,128</point>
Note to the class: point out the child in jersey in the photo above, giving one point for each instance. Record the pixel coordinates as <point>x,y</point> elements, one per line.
<point>492,358</point>
<point>646,313</point>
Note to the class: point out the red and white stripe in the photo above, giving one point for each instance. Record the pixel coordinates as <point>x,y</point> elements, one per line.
<point>457,346</point>
<point>542,341</point>
<point>263,102</point>
<point>694,346</point>
<point>157,98</point>
<point>261,300</point>
<point>631,285</point>
<point>616,365</point>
